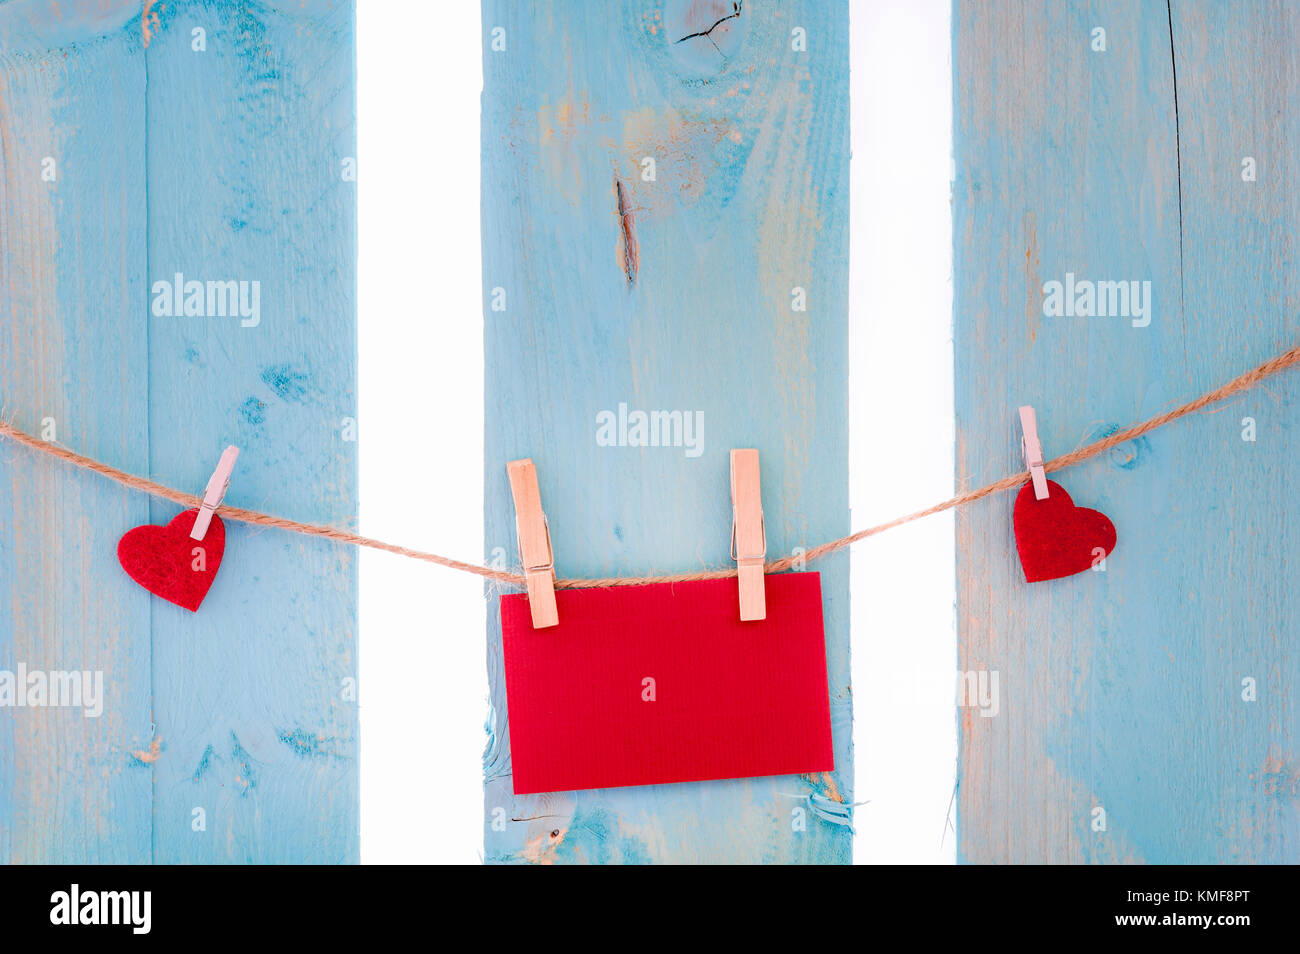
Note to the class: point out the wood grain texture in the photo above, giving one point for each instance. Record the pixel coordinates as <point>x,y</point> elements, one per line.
<point>221,164</point>
<point>73,348</point>
<point>1123,689</point>
<point>672,294</point>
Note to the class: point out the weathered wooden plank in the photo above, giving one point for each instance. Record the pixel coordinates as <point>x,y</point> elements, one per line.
<point>73,353</point>
<point>686,305</point>
<point>246,144</point>
<point>1123,690</point>
<point>222,163</point>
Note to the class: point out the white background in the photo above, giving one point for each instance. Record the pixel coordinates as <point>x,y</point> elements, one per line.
<point>423,670</point>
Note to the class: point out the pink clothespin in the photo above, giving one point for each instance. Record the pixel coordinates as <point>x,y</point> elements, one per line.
<point>1033,451</point>
<point>534,533</point>
<point>218,483</point>
<point>748,533</point>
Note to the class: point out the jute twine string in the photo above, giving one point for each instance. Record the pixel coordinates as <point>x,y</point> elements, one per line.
<point>1242,383</point>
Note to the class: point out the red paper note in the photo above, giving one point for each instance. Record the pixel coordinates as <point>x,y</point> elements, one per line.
<point>646,684</point>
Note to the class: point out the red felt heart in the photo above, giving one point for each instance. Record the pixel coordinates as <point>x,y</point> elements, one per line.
<point>1055,538</point>
<point>167,563</point>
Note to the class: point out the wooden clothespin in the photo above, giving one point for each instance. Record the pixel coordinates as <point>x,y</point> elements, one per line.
<point>534,535</point>
<point>1033,451</point>
<point>215,493</point>
<point>748,533</point>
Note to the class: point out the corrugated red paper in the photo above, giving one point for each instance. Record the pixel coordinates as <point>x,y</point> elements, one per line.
<point>731,699</point>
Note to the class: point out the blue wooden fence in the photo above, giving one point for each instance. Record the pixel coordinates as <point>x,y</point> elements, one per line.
<point>140,141</point>
<point>1148,711</point>
<point>724,134</point>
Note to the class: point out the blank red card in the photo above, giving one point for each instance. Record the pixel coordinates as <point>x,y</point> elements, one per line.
<point>646,684</point>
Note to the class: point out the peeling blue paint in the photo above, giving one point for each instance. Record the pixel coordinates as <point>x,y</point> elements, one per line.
<point>829,810</point>
<point>287,382</point>
<point>253,411</point>
<point>245,771</point>
<point>309,744</point>
<point>592,836</point>
<point>205,763</point>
